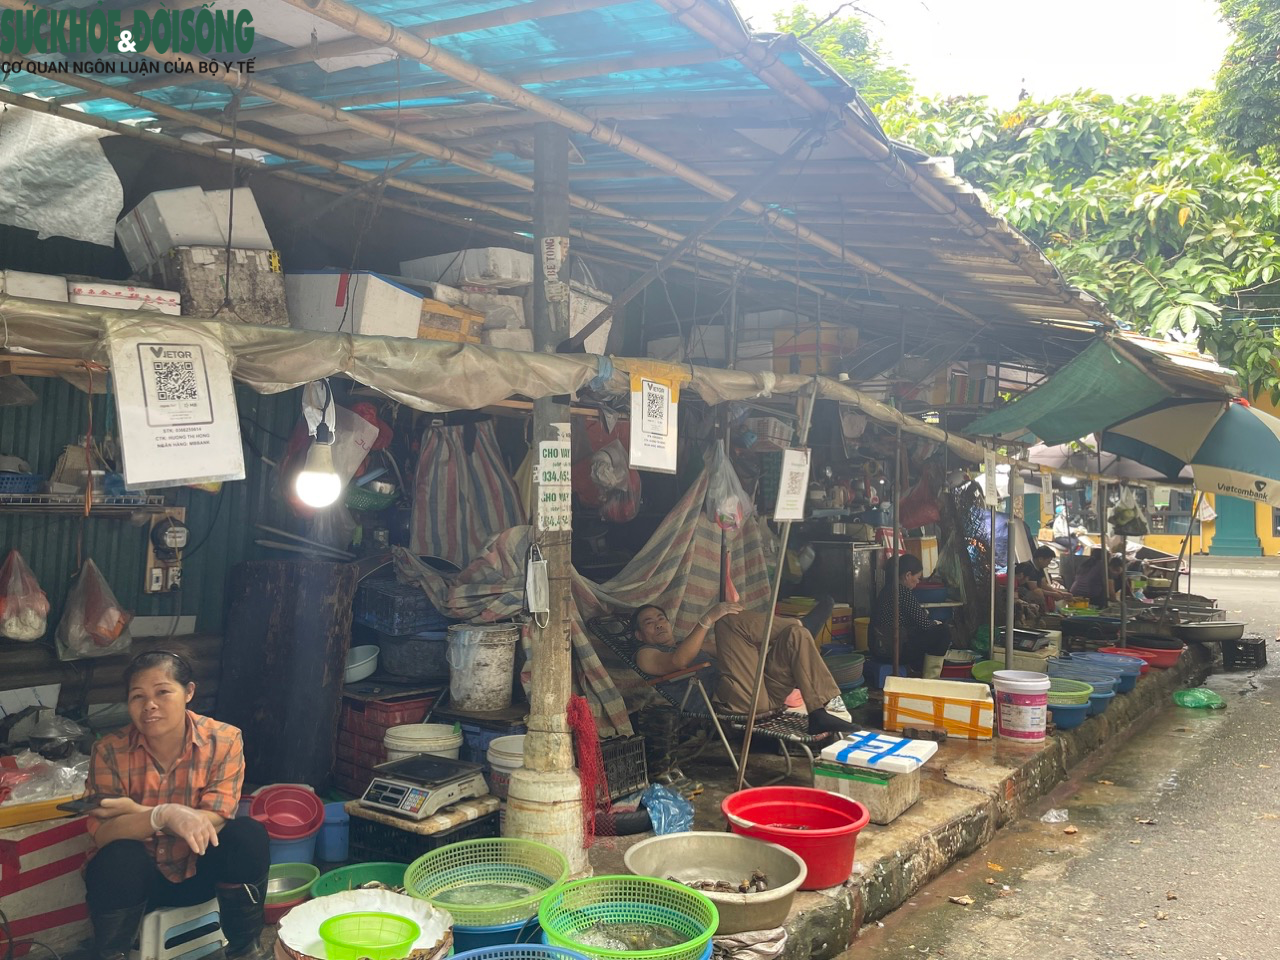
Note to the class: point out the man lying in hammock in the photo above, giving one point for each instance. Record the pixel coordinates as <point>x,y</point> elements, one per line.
<point>793,662</point>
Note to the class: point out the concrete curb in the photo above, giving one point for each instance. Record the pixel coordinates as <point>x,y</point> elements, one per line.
<point>980,789</point>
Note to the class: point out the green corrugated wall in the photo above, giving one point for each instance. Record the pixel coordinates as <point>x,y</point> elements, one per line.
<point>224,522</point>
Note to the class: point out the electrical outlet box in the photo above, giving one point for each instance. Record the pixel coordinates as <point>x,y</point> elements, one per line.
<point>155,580</point>
<point>166,540</point>
<point>173,578</point>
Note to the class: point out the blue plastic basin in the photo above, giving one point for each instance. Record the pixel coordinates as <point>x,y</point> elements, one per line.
<point>1070,715</point>
<point>1099,702</point>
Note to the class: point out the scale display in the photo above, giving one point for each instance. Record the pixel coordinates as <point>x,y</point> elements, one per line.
<point>420,786</point>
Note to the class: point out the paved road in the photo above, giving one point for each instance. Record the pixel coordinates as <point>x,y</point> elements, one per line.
<point>1201,882</point>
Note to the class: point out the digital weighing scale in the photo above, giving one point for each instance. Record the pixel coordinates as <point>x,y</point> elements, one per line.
<point>1028,641</point>
<point>420,786</point>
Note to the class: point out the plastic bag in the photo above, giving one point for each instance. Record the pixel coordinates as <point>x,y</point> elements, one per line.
<point>618,486</point>
<point>1199,697</point>
<point>668,811</point>
<point>94,624</point>
<point>727,503</point>
<point>1127,517</point>
<point>24,609</point>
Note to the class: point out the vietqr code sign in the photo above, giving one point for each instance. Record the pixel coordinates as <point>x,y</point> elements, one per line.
<point>176,405</point>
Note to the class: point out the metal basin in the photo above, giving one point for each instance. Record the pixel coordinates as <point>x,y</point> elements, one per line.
<point>725,856</point>
<point>1210,632</point>
<point>281,884</point>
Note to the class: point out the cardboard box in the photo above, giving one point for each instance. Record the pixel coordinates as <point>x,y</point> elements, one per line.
<point>332,301</point>
<point>817,348</point>
<point>885,795</point>
<point>440,321</point>
<point>188,217</point>
<point>962,710</point>
<point>496,267</point>
<point>199,275</point>
<point>926,548</point>
<point>123,296</point>
<point>33,286</point>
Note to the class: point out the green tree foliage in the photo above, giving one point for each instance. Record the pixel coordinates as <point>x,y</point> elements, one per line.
<point>1133,203</point>
<point>845,44</point>
<point>1244,109</point>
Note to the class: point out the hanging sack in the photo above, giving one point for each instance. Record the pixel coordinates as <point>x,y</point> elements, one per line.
<point>24,609</point>
<point>727,503</point>
<point>1127,517</point>
<point>919,507</point>
<point>94,624</point>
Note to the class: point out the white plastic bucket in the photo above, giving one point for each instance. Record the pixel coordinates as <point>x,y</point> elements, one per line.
<point>408,739</point>
<point>481,662</point>
<point>1022,700</point>
<point>505,756</point>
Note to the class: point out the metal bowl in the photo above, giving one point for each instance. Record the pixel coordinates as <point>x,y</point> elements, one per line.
<point>278,885</point>
<point>725,856</point>
<point>1210,632</point>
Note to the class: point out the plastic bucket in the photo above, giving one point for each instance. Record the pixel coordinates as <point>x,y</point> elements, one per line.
<point>819,827</point>
<point>1022,701</point>
<point>473,938</point>
<point>331,844</point>
<point>288,812</point>
<point>505,755</point>
<point>300,850</point>
<point>410,739</point>
<point>481,663</point>
<point>862,632</point>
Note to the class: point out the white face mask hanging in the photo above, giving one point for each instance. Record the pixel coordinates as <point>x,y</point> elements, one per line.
<point>537,590</point>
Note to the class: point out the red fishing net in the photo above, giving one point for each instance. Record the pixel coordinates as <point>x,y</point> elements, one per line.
<point>595,784</point>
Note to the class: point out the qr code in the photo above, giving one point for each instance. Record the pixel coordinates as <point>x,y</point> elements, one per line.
<point>795,484</point>
<point>656,403</point>
<point>175,380</point>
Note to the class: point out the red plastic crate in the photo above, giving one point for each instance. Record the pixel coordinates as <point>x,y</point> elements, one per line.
<point>361,752</point>
<point>388,713</point>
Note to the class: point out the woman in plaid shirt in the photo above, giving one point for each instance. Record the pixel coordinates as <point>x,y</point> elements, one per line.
<point>164,834</point>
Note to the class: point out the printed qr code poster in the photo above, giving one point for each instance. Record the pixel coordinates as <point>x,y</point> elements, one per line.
<point>653,424</point>
<point>176,405</point>
<point>793,485</point>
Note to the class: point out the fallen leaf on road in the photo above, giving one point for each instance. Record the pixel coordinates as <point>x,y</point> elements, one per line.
<point>1142,925</point>
<point>1269,816</point>
<point>1171,895</point>
<point>1261,766</point>
<point>1145,821</point>
<point>995,866</point>
<point>1161,915</point>
<point>964,901</point>
<point>1107,783</point>
<point>1070,829</point>
<point>1135,842</point>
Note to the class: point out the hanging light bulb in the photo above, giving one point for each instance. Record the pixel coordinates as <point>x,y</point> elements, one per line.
<point>318,484</point>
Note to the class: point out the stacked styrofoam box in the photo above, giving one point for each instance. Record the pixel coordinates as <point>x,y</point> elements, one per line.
<point>254,284</point>
<point>508,339</point>
<point>336,301</point>
<point>33,286</point>
<point>762,324</point>
<point>123,296</point>
<point>495,267</point>
<point>501,311</point>
<point>189,217</point>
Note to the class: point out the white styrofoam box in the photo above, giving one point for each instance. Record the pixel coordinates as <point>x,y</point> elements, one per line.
<point>666,348</point>
<point>249,231</point>
<point>164,220</point>
<point>189,217</point>
<point>508,339</point>
<point>41,884</point>
<point>877,751</point>
<point>500,310</point>
<point>964,710</point>
<point>765,322</point>
<point>120,296</point>
<point>886,796</point>
<point>361,302</point>
<point>33,286</point>
<point>480,267</point>
<point>755,356</point>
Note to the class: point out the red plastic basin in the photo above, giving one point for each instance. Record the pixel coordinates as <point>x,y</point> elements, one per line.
<point>274,911</point>
<point>288,813</point>
<point>1130,652</point>
<point>819,827</point>
<point>1157,658</point>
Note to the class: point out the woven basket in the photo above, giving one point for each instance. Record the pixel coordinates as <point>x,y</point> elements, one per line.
<point>523,864</point>
<point>570,910</point>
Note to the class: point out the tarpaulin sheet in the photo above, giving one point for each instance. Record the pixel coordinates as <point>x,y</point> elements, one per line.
<point>679,569</point>
<point>1096,389</point>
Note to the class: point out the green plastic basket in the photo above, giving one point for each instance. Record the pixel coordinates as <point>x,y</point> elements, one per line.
<point>576,910</point>
<point>368,936</point>
<point>525,868</point>
<point>358,498</point>
<point>1064,693</point>
<point>357,875</point>
<point>984,671</point>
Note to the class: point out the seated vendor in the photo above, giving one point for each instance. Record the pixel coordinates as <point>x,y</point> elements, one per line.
<point>1039,588</point>
<point>164,836</point>
<point>923,641</point>
<point>793,661</point>
<point>1100,579</point>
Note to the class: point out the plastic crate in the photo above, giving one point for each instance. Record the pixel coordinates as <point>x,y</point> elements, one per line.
<point>624,765</point>
<point>372,718</point>
<point>1247,653</point>
<point>376,841</point>
<point>396,608</point>
<point>20,482</point>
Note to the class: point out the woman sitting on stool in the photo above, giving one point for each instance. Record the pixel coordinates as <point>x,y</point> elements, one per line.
<point>164,835</point>
<point>923,642</point>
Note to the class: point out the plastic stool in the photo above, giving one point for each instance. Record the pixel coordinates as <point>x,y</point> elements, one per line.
<point>180,933</point>
<point>876,672</point>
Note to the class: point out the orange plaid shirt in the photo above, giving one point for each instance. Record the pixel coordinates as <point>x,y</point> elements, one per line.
<point>207,776</point>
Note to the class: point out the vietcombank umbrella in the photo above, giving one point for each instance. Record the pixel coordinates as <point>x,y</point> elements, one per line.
<point>1231,447</point>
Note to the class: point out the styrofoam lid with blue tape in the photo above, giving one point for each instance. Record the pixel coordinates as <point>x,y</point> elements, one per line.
<point>880,752</point>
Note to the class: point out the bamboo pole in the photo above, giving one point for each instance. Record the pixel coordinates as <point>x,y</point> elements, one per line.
<point>758,684</point>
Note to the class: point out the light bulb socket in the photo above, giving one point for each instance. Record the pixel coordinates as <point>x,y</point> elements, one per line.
<point>323,433</point>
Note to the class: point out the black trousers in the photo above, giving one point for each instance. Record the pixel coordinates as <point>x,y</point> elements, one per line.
<point>933,641</point>
<point>122,874</point>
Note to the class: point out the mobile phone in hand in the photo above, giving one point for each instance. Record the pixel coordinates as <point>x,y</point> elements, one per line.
<point>83,804</point>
